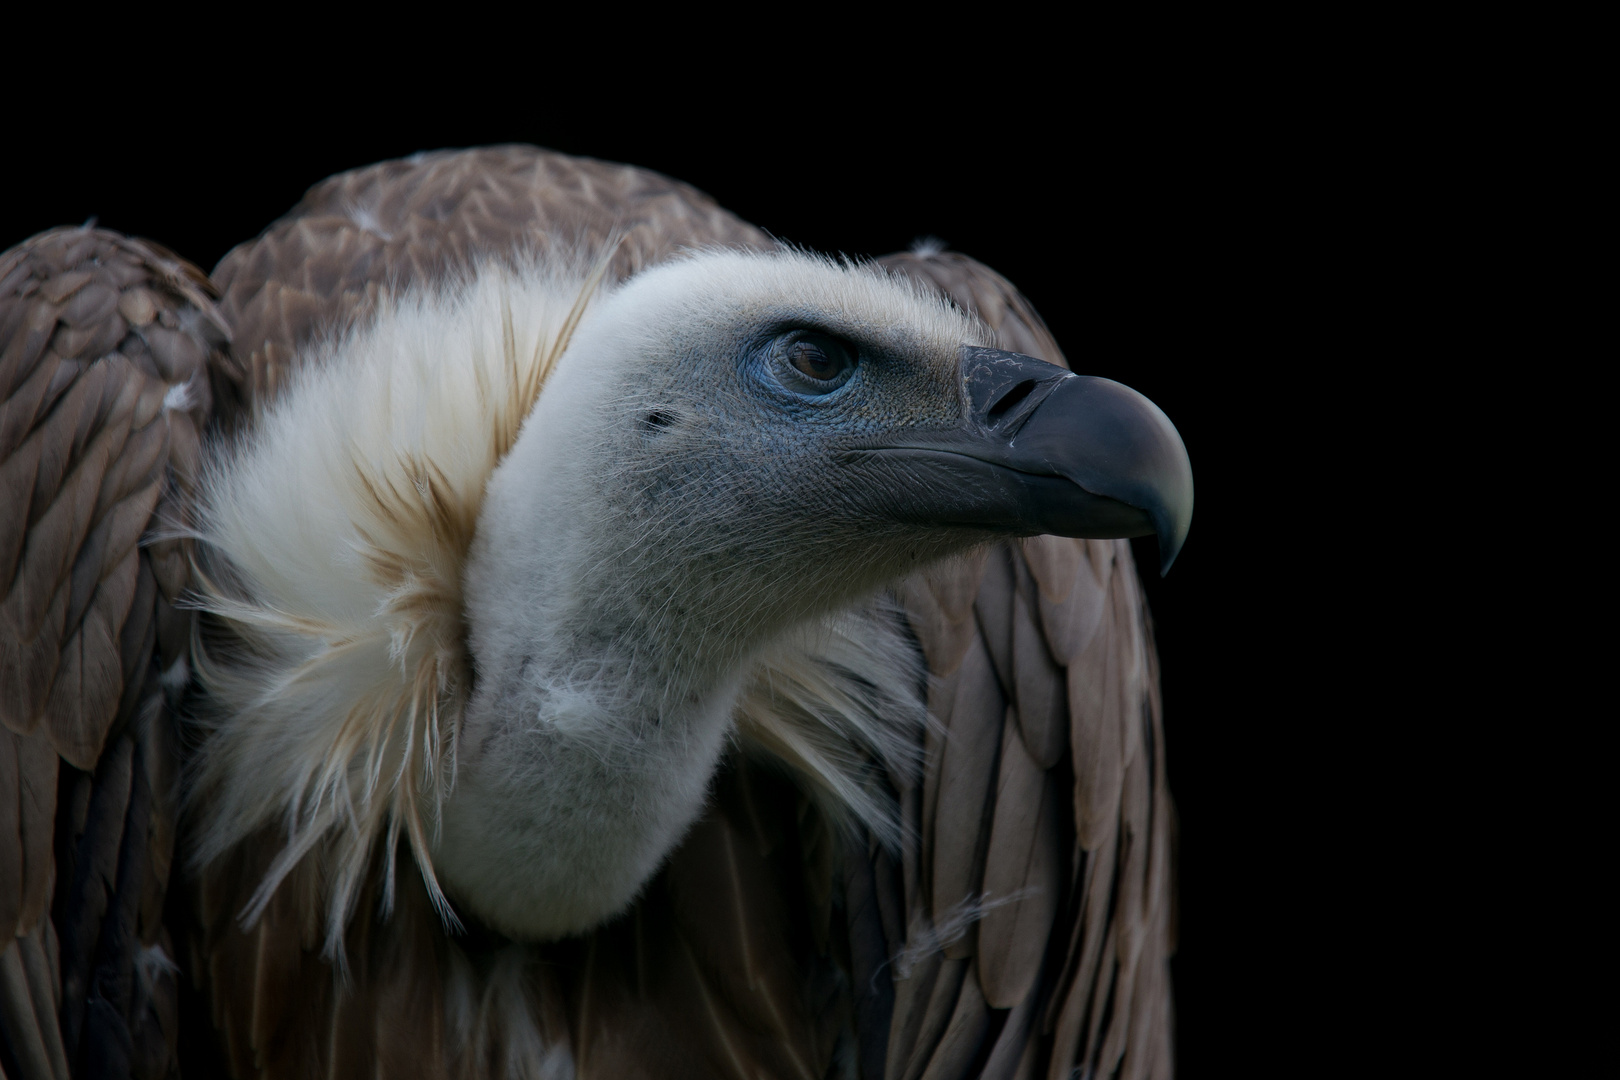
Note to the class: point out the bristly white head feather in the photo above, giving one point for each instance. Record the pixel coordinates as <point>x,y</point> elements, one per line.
<point>387,531</point>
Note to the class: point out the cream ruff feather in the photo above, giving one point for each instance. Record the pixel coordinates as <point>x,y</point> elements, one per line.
<point>336,540</point>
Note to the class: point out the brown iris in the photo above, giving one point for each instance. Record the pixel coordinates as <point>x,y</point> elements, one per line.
<point>813,360</point>
<point>815,363</point>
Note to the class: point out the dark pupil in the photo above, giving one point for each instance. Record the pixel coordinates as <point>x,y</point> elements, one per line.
<point>809,359</point>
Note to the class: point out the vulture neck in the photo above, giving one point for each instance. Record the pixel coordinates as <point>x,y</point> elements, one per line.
<point>604,692</point>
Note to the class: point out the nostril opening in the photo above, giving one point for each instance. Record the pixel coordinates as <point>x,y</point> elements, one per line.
<point>656,421</point>
<point>1009,399</point>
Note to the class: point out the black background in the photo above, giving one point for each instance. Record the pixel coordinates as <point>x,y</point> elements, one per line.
<point>1197,232</point>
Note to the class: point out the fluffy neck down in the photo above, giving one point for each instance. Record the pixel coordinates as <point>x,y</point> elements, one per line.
<point>543,792</point>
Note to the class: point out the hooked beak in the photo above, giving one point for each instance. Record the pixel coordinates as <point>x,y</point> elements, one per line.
<point>1043,450</point>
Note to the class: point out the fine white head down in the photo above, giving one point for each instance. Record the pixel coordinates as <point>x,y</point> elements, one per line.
<point>724,457</point>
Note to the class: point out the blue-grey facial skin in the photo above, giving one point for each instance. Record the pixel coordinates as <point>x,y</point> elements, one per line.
<point>729,457</point>
<point>722,463</point>
<point>890,387</point>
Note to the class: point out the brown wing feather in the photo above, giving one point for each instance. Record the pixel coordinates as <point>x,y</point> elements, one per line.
<point>361,236</point>
<point>107,350</point>
<point>1063,861</point>
<point>1024,859</point>
<point>1061,867</point>
<point>965,799</point>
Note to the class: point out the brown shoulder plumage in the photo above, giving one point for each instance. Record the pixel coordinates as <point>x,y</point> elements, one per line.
<point>363,235</point>
<point>1043,822</point>
<point>105,384</point>
<point>108,351</point>
<point>1041,870</point>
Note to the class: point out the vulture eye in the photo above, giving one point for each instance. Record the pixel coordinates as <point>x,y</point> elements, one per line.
<point>816,363</point>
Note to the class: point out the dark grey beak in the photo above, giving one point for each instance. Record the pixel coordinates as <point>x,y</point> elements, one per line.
<point>1042,450</point>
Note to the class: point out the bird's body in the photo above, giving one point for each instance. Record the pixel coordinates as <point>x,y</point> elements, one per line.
<point>572,614</point>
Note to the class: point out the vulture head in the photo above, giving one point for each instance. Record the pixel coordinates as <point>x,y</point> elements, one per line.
<point>502,565</point>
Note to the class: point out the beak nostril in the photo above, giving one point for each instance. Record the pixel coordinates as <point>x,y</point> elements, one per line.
<point>1011,398</point>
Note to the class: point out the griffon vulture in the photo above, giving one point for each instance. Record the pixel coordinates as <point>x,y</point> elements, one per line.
<point>516,619</point>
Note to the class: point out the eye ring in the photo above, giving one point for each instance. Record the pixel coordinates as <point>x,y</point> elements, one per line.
<point>814,364</point>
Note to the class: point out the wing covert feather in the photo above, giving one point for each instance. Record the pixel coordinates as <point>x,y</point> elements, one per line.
<point>1024,860</point>
<point>109,349</point>
<point>1064,861</point>
<point>965,800</point>
<point>965,1030</point>
<point>1043,715</point>
<point>30,1041</point>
